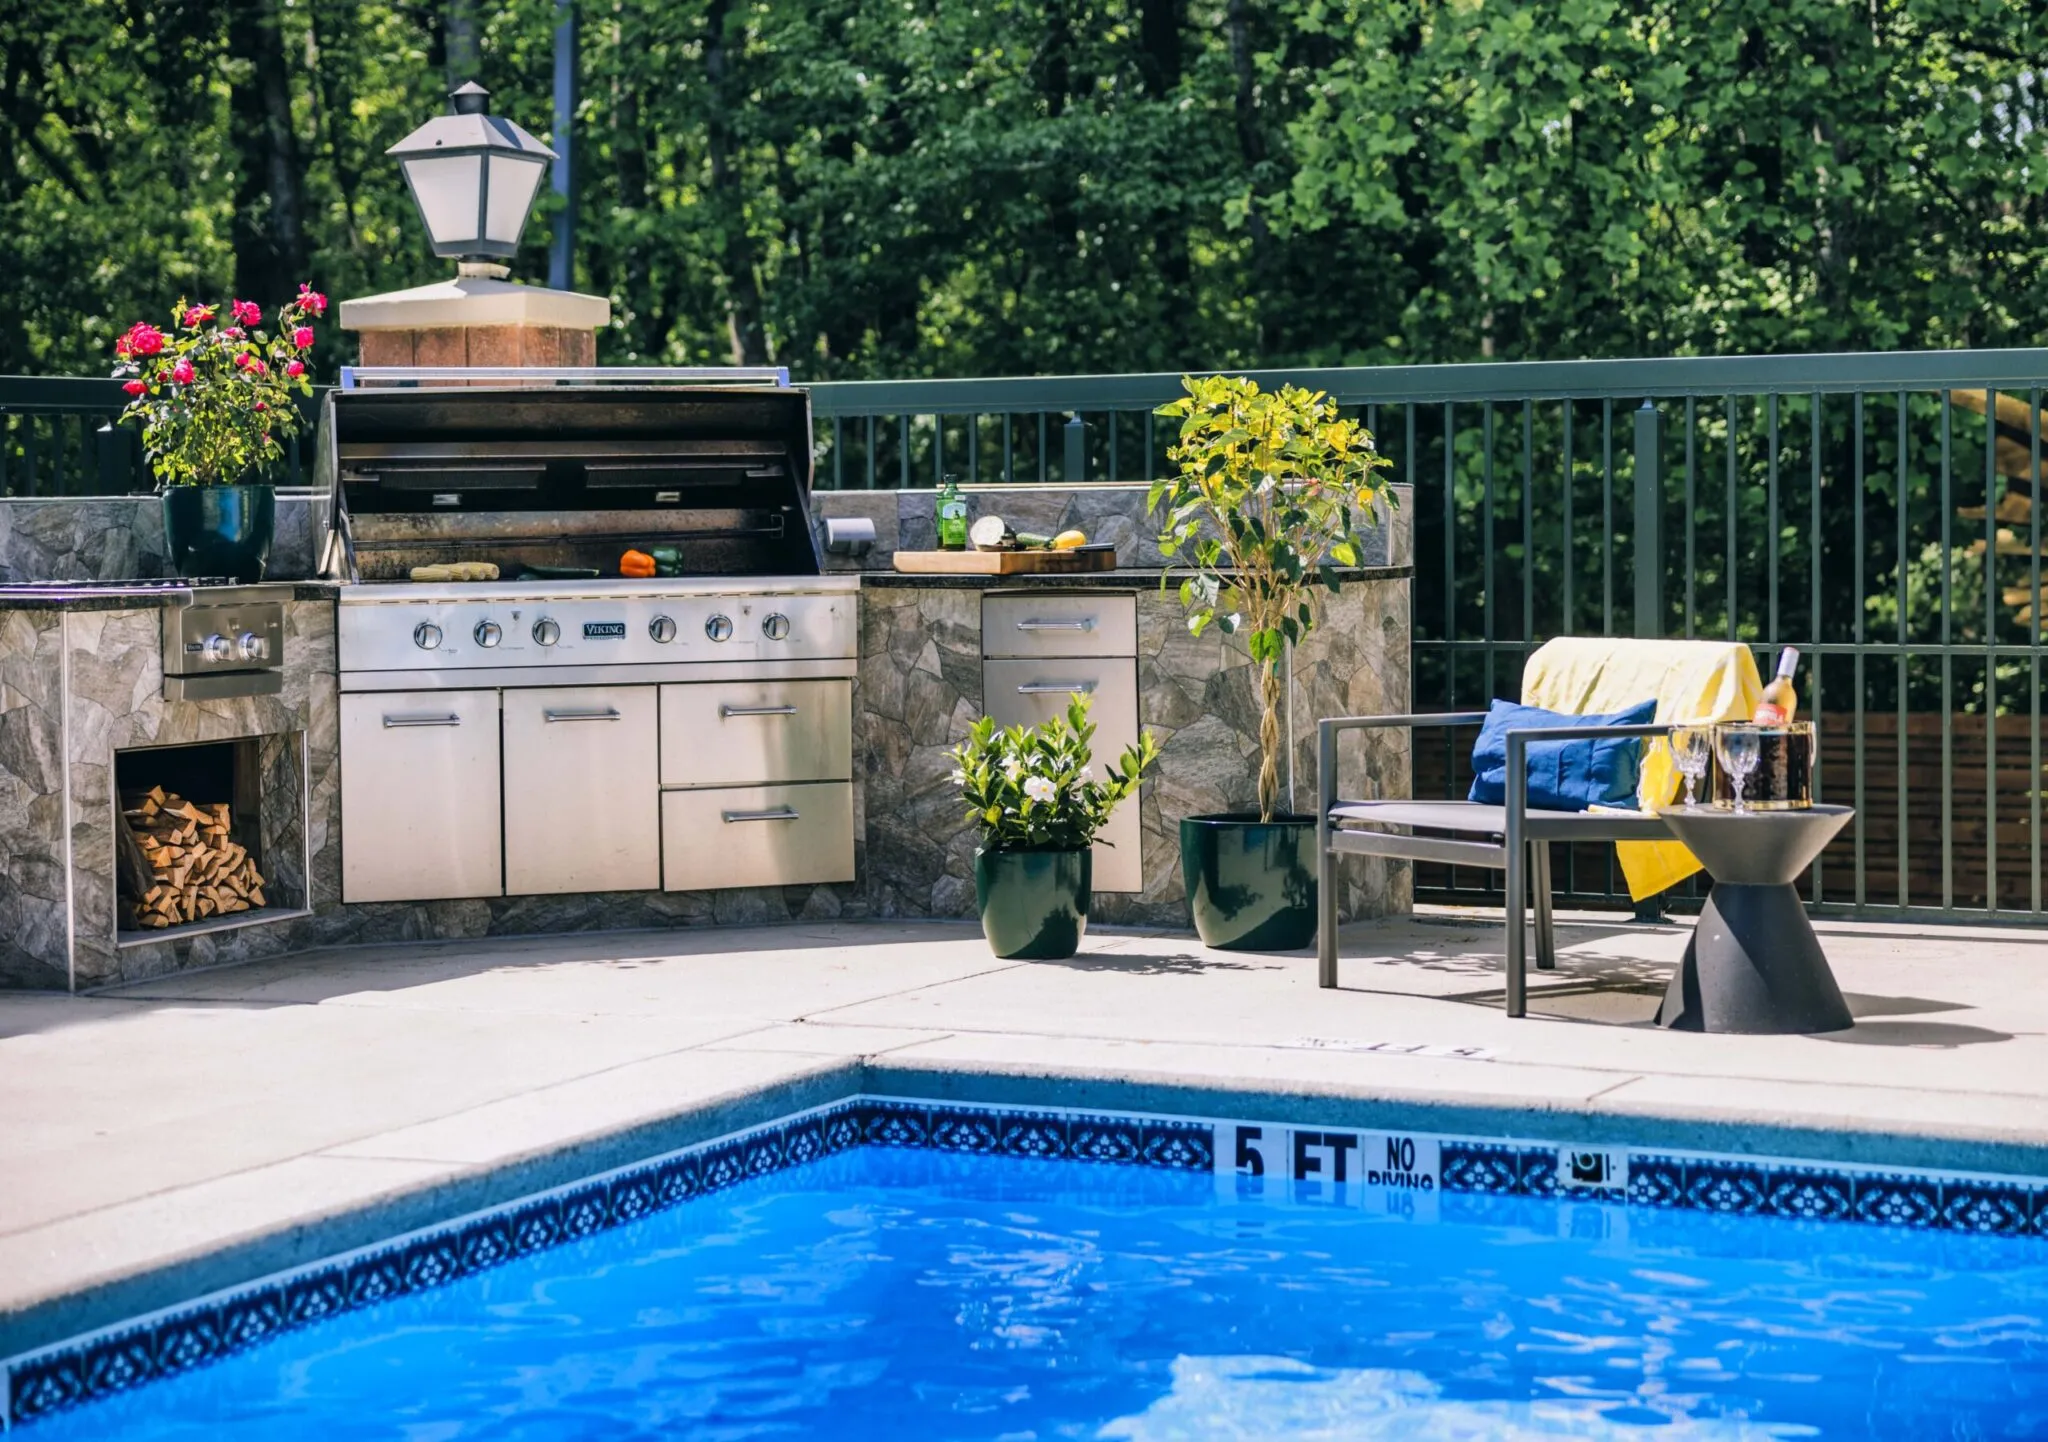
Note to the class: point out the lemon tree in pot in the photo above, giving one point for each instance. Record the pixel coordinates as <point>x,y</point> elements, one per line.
<point>1033,793</point>
<point>1265,507</point>
<point>214,397</point>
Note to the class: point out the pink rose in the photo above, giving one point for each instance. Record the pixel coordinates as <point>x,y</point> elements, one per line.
<point>295,368</point>
<point>135,388</point>
<point>198,315</point>
<point>182,372</point>
<point>261,407</point>
<point>258,366</point>
<point>243,360</point>
<point>311,299</point>
<point>247,312</point>
<point>303,337</point>
<point>142,339</point>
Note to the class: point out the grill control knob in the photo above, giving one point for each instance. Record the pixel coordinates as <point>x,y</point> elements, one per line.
<point>719,628</point>
<point>426,636</point>
<point>488,634</point>
<point>252,646</point>
<point>775,627</point>
<point>546,632</point>
<point>662,629</point>
<point>214,648</point>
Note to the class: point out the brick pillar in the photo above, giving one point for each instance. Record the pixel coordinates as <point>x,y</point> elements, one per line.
<point>477,321</point>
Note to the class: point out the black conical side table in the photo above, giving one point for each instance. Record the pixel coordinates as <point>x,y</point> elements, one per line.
<point>1753,964</point>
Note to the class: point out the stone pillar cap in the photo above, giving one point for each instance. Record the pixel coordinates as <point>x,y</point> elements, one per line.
<point>475,300</point>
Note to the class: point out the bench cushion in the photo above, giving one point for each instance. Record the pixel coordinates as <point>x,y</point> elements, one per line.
<point>1563,775</point>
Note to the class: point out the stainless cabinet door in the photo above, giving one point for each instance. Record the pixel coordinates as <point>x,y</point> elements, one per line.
<point>419,796</point>
<point>582,790</point>
<point>1032,692</point>
<point>746,733</point>
<point>1059,623</point>
<point>757,836</point>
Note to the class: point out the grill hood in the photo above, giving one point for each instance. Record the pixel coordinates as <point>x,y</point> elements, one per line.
<point>568,476</point>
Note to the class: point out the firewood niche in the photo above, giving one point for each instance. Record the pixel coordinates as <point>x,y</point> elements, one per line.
<point>186,842</point>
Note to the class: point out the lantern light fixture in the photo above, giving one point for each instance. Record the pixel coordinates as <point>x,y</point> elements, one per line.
<point>473,177</point>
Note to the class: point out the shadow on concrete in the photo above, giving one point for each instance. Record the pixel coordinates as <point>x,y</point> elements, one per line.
<point>1144,964</point>
<point>1861,1005</point>
<point>1935,1035</point>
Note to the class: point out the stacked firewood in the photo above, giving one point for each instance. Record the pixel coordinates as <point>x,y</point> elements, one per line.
<point>188,867</point>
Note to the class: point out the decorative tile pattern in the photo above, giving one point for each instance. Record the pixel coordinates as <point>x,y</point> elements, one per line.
<point>117,1360</point>
<point>1480,1167</point>
<point>1738,1188</point>
<point>1656,1181</point>
<point>1809,1193</point>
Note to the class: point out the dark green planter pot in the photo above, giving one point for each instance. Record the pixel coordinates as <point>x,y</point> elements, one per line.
<point>220,530</point>
<point>1034,904</point>
<point>1251,884</point>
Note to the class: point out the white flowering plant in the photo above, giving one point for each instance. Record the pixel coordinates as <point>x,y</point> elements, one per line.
<point>1034,788</point>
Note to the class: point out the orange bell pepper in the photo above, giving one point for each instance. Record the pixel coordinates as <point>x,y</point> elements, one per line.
<point>637,564</point>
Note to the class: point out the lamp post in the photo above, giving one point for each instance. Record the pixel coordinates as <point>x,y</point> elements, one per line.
<point>473,177</point>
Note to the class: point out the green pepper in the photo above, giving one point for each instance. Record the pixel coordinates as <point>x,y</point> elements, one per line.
<point>668,560</point>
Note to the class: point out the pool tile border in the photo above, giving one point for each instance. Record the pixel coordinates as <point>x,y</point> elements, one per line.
<point>193,1334</point>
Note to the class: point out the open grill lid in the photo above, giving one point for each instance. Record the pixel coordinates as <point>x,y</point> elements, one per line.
<point>570,476</point>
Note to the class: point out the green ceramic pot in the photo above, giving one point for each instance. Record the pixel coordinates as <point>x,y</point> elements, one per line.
<point>1034,904</point>
<point>1251,884</point>
<point>220,530</point>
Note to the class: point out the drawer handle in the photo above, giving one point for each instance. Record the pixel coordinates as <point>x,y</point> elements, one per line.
<point>1055,688</point>
<point>608,714</point>
<point>779,813</point>
<point>1086,623</point>
<point>391,721</point>
<point>725,711</point>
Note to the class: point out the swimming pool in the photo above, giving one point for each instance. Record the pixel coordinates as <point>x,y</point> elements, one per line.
<point>1251,1281</point>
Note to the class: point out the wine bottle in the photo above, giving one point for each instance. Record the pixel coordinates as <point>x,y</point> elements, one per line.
<point>951,518</point>
<point>1780,702</point>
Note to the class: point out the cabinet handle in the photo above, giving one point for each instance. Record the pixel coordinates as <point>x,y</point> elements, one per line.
<point>391,721</point>
<point>605,715</point>
<point>1086,623</point>
<point>725,711</point>
<point>780,813</point>
<point>1055,688</point>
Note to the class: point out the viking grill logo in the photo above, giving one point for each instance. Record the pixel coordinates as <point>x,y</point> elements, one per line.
<point>604,630</point>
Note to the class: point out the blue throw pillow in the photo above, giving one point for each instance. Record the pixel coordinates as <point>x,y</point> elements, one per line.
<point>1563,775</point>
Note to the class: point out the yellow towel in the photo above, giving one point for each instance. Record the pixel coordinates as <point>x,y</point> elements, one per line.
<point>1692,681</point>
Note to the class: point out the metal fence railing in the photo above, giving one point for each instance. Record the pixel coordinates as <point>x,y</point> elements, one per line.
<point>1881,512</point>
<point>59,437</point>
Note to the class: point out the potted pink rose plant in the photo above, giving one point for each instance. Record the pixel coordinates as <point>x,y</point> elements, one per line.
<point>214,397</point>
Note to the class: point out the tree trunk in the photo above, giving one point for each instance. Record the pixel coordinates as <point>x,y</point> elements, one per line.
<point>744,323</point>
<point>268,231</point>
<point>1251,140</point>
<point>461,48</point>
<point>1160,23</point>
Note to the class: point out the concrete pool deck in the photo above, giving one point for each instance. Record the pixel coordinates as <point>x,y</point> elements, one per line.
<point>166,1138</point>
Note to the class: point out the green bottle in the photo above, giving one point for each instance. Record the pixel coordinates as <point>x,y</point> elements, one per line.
<point>952,516</point>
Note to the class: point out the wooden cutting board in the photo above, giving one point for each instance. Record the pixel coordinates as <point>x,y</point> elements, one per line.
<point>1006,563</point>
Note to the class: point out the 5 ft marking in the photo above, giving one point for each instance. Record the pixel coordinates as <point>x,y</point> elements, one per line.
<point>1373,1158</point>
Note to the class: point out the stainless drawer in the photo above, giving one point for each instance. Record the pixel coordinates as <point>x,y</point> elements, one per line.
<point>1032,692</point>
<point>1069,623</point>
<point>581,779</point>
<point>419,796</point>
<point>730,733</point>
<point>757,836</point>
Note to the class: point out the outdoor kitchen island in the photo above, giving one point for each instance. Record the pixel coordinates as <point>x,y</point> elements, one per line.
<point>81,678</point>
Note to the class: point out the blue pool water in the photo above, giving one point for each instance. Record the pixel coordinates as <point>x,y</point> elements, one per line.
<point>903,1295</point>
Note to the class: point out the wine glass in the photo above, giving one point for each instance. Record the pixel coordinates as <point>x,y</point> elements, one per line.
<point>1692,747</point>
<point>1740,748</point>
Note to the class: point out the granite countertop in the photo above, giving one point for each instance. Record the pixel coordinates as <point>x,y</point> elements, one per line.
<point>54,596</point>
<point>1134,578</point>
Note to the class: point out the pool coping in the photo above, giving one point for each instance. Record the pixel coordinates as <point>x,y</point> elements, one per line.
<point>198,1309</point>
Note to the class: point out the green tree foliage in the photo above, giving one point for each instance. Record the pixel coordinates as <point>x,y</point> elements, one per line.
<point>907,187</point>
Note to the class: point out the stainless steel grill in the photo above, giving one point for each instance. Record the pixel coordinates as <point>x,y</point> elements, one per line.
<point>554,733</point>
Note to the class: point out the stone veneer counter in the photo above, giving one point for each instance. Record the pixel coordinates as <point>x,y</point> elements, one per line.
<point>53,598</point>
<point>1117,580</point>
